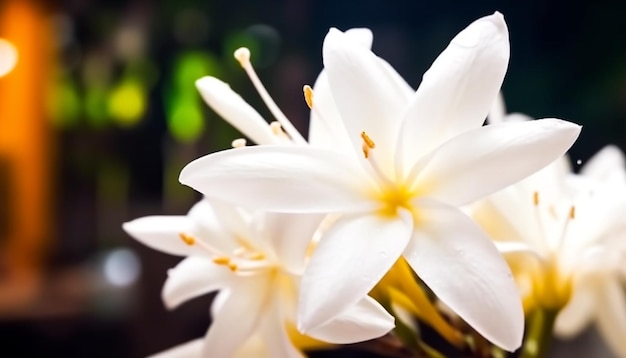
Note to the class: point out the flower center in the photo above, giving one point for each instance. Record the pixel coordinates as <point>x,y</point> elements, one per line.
<point>245,259</point>
<point>393,195</point>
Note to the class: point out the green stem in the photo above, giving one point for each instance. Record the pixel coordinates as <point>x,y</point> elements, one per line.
<point>539,334</point>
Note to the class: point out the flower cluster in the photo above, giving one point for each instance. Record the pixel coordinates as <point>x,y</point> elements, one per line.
<point>387,212</point>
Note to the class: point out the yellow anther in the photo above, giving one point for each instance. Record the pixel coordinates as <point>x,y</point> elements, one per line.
<point>366,150</point>
<point>189,240</point>
<point>536,198</point>
<point>242,55</point>
<point>256,256</point>
<point>308,95</point>
<point>368,141</point>
<point>572,212</point>
<point>239,143</point>
<point>222,260</point>
<point>232,266</point>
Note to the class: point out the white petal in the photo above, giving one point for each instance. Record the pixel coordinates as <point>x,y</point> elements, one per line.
<point>191,349</point>
<point>604,164</point>
<point>612,315</point>
<point>497,113</point>
<point>485,160</point>
<point>192,277</point>
<point>459,88</point>
<point>326,129</point>
<point>275,336</point>
<point>463,268</point>
<point>349,260</point>
<point>361,35</point>
<point>366,92</point>
<point>254,347</point>
<point>361,322</point>
<point>290,236</point>
<point>218,224</point>
<point>235,110</point>
<point>238,318</point>
<point>578,312</point>
<point>162,233</point>
<point>281,178</point>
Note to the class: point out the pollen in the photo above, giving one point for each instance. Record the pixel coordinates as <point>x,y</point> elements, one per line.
<point>187,239</point>
<point>536,198</point>
<point>572,212</point>
<point>256,256</point>
<point>242,55</point>
<point>221,260</point>
<point>308,95</point>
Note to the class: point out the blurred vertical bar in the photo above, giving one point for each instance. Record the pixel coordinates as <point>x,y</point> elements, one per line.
<point>25,149</point>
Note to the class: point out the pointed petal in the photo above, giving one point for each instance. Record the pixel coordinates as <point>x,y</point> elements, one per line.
<point>230,106</point>
<point>604,164</point>
<point>459,88</point>
<point>361,322</point>
<point>275,336</point>
<point>238,318</point>
<point>290,236</point>
<point>191,349</point>
<point>485,160</point>
<point>463,268</point>
<point>578,312</point>
<point>192,277</point>
<point>366,91</point>
<point>349,260</point>
<point>281,178</point>
<point>162,233</point>
<point>612,315</point>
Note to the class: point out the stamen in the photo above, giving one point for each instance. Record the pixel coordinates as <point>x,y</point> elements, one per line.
<point>368,144</point>
<point>308,95</point>
<point>239,143</point>
<point>221,260</point>
<point>189,240</point>
<point>536,198</point>
<point>572,212</point>
<point>256,256</point>
<point>243,56</point>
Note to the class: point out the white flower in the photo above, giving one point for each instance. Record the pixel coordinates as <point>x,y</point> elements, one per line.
<point>416,157</point>
<point>566,239</point>
<point>256,262</point>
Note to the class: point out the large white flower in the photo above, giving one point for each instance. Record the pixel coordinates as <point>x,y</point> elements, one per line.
<point>416,157</point>
<point>256,262</point>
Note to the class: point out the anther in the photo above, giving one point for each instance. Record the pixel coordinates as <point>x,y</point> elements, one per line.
<point>572,212</point>
<point>367,140</point>
<point>242,55</point>
<point>222,260</point>
<point>239,143</point>
<point>256,256</point>
<point>187,239</point>
<point>308,95</point>
<point>536,198</point>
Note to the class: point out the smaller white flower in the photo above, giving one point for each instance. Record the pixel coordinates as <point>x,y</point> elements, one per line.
<point>565,238</point>
<point>255,260</point>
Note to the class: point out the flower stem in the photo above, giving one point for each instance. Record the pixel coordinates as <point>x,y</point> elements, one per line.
<point>539,334</point>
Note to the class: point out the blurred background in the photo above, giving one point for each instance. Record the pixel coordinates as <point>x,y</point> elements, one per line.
<point>98,114</point>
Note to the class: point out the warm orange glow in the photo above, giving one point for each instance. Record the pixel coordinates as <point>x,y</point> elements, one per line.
<point>25,148</point>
